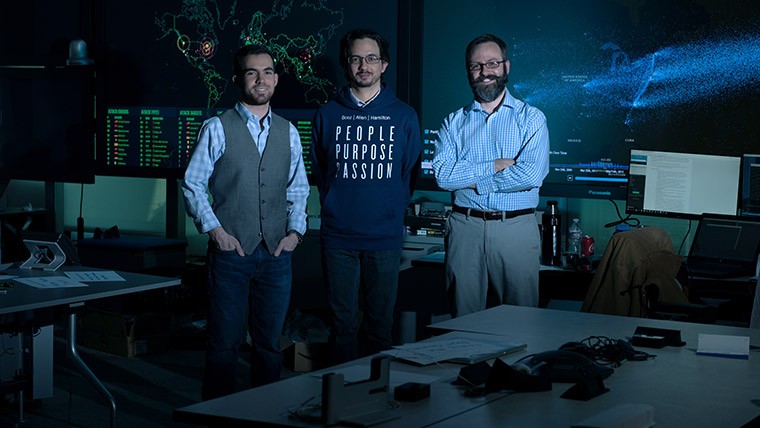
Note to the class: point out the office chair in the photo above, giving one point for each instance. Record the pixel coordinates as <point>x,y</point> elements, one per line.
<point>637,277</point>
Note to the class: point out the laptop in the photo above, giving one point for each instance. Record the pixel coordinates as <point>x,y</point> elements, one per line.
<point>725,247</point>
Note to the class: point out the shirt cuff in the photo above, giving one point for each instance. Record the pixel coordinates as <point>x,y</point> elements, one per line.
<point>484,177</point>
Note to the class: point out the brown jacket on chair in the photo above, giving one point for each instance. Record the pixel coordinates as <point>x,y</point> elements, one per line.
<point>631,261</point>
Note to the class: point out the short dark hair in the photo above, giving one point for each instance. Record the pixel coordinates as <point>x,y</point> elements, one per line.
<point>244,51</point>
<point>484,38</point>
<point>356,34</point>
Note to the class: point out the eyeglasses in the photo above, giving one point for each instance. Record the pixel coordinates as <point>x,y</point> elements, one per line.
<point>369,59</point>
<point>477,66</point>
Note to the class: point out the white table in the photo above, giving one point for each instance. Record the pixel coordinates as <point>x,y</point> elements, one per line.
<point>686,390</point>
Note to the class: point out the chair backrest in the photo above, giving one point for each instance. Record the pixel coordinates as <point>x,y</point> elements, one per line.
<point>633,260</point>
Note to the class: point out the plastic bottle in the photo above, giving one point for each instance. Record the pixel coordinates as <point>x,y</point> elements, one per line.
<point>551,239</point>
<point>574,235</point>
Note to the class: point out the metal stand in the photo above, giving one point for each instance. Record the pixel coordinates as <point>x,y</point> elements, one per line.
<point>43,255</point>
<point>74,356</point>
<point>20,398</point>
<point>361,403</point>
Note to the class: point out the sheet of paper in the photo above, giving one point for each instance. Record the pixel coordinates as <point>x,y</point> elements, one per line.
<point>456,349</point>
<point>94,276</point>
<point>721,345</point>
<point>50,282</point>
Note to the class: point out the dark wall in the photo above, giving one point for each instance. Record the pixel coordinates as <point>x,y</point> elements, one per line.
<point>38,32</point>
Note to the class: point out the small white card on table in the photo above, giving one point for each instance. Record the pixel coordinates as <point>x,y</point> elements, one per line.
<point>720,345</point>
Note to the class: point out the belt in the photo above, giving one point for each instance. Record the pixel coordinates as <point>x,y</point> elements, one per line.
<point>492,215</point>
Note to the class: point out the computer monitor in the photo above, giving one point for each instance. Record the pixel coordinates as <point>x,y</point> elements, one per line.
<point>750,204</point>
<point>682,185</point>
<point>725,246</point>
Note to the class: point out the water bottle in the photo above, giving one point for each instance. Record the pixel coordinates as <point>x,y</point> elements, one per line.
<point>551,240</point>
<point>574,235</point>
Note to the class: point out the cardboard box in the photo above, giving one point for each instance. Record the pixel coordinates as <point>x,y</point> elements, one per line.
<point>303,357</point>
<point>124,335</point>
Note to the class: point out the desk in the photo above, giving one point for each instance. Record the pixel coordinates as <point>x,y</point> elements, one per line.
<point>732,297</point>
<point>686,390</point>
<point>268,405</point>
<point>422,293</point>
<point>22,298</point>
<point>554,283</point>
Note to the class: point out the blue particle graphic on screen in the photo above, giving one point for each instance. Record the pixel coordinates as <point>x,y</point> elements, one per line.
<point>688,76</point>
<point>200,30</point>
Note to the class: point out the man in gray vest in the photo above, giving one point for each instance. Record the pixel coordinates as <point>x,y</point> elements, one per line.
<point>250,160</point>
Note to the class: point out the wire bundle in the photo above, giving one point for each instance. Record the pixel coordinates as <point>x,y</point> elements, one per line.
<point>606,351</point>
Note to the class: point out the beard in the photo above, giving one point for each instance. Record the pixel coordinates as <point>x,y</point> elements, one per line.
<point>257,98</point>
<point>485,93</point>
<point>365,83</point>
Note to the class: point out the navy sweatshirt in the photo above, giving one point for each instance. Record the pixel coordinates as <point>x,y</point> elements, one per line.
<point>364,159</point>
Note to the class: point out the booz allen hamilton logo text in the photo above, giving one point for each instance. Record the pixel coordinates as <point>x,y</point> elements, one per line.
<point>364,151</point>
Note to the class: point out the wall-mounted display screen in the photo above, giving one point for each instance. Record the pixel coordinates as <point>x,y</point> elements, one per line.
<point>609,76</point>
<point>154,138</point>
<point>159,84</point>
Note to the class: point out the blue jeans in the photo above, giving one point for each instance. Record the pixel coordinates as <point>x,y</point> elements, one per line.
<point>253,289</point>
<point>350,274</point>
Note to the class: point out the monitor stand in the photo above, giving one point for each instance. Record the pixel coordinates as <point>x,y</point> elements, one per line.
<point>43,255</point>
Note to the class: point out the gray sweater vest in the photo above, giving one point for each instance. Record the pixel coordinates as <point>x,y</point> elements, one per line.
<point>248,189</point>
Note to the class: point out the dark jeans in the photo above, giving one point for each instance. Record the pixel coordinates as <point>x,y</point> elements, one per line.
<point>253,289</point>
<point>350,274</point>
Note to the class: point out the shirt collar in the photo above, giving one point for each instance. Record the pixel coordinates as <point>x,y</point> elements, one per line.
<point>508,101</point>
<point>361,103</point>
<point>247,115</point>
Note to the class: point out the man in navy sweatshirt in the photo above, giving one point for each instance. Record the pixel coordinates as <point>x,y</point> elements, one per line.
<point>366,147</point>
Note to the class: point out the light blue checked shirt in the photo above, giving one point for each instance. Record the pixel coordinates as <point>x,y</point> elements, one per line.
<point>210,147</point>
<point>469,142</point>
